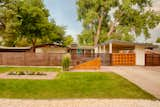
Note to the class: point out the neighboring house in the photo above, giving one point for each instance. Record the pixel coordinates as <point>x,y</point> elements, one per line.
<point>51,48</point>
<point>80,54</point>
<point>76,50</point>
<point>44,48</point>
<point>125,53</point>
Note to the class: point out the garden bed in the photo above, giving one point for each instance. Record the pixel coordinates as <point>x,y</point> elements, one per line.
<point>28,75</point>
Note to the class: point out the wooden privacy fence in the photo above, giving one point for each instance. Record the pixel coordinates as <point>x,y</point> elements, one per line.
<point>152,59</point>
<point>123,59</point>
<point>30,59</point>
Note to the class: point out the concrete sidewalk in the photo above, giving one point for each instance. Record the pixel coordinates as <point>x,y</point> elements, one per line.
<point>78,103</point>
<point>148,78</point>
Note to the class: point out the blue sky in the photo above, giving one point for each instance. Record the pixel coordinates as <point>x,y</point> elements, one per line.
<point>65,14</point>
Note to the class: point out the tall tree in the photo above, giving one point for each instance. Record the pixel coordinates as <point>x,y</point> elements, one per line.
<point>28,20</point>
<point>34,21</point>
<point>93,14</point>
<point>9,19</point>
<point>110,17</point>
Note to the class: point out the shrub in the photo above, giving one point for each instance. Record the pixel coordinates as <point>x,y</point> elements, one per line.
<point>66,62</point>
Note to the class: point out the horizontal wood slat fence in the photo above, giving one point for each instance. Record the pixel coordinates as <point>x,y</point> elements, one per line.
<point>152,59</point>
<point>123,59</point>
<point>30,59</point>
<point>53,59</point>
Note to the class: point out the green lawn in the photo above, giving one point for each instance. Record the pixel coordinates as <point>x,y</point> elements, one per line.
<point>6,69</point>
<point>73,85</point>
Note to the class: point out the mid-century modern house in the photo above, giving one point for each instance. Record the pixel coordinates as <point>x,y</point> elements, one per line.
<point>127,53</point>
<point>111,53</point>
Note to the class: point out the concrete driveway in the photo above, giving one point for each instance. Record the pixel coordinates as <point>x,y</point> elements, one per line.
<point>148,78</point>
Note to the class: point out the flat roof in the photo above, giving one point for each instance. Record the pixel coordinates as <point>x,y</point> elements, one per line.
<point>14,48</point>
<point>82,47</point>
<point>120,42</point>
<point>49,44</point>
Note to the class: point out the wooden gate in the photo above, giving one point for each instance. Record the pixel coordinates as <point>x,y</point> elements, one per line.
<point>152,59</point>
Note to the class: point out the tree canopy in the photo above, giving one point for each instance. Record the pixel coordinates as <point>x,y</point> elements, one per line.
<point>86,38</point>
<point>68,40</point>
<point>28,21</point>
<point>123,18</point>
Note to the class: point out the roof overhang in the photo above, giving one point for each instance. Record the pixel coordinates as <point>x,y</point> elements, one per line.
<point>128,44</point>
<point>14,48</point>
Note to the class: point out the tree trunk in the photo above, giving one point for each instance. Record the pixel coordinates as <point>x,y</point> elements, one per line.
<point>34,45</point>
<point>96,37</point>
<point>112,28</point>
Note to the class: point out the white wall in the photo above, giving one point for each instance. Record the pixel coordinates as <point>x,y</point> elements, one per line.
<point>140,55</point>
<point>96,49</point>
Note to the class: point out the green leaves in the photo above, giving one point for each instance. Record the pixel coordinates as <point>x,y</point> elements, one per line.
<point>28,20</point>
<point>124,17</point>
<point>68,40</point>
<point>86,38</point>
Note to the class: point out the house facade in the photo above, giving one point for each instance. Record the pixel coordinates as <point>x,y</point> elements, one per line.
<point>111,53</point>
<point>125,53</point>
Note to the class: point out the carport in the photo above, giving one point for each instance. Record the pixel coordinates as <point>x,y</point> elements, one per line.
<point>122,52</point>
